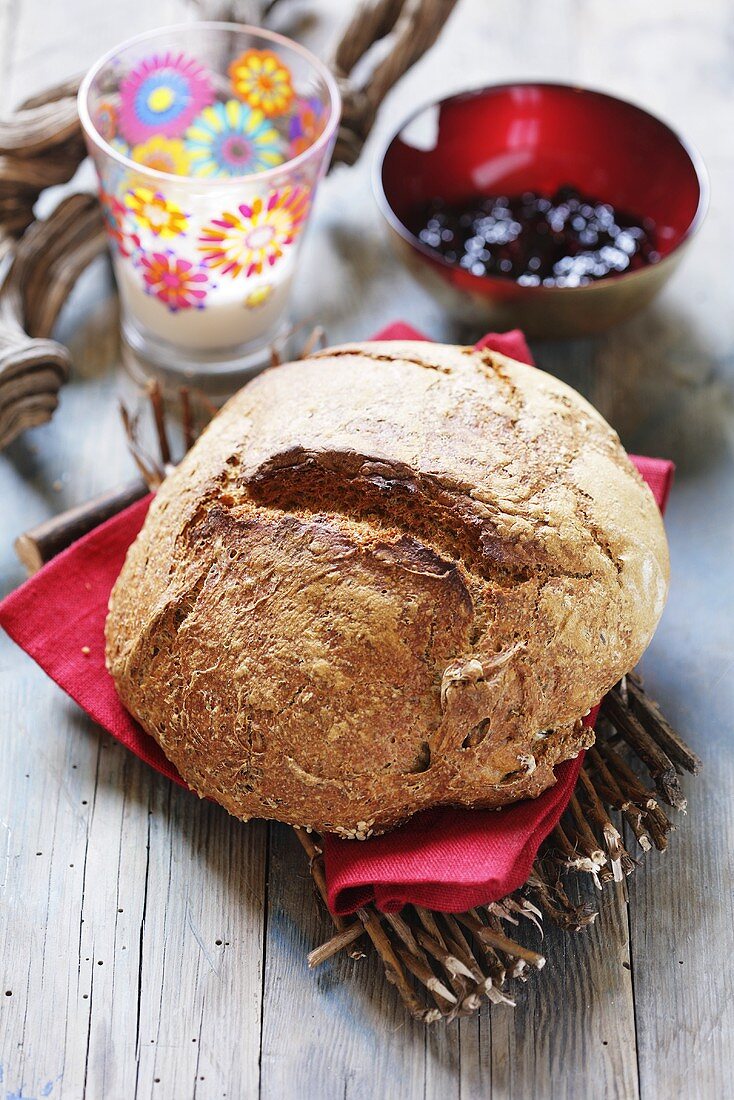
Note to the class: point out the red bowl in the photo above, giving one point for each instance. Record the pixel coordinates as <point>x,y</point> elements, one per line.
<point>510,138</point>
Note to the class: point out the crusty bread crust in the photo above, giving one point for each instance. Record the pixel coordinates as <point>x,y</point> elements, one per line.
<point>389,577</point>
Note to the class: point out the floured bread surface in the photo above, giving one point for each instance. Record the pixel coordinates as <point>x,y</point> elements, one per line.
<point>388,577</point>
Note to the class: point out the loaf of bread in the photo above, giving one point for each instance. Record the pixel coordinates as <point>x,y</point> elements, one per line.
<point>389,577</point>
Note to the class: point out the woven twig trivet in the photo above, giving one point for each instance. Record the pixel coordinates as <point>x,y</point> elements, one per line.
<point>41,145</point>
<point>444,965</point>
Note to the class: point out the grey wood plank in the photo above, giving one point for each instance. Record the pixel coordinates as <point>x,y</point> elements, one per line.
<point>682,927</point>
<point>573,1031</point>
<point>110,934</point>
<point>339,1031</point>
<point>200,981</point>
<point>46,786</point>
<point>665,380</point>
<point>682,905</point>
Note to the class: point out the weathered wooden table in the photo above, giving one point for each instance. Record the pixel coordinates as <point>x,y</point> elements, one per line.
<point>152,946</point>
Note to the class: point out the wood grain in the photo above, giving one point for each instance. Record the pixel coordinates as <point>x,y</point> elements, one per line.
<point>108,938</point>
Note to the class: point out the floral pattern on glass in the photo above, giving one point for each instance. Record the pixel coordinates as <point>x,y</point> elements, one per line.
<point>176,282</point>
<point>259,296</point>
<point>172,115</point>
<point>105,119</point>
<point>305,127</point>
<point>162,155</point>
<point>162,96</point>
<point>263,81</point>
<point>231,139</point>
<point>155,213</point>
<point>120,146</point>
<point>115,213</point>
<point>254,237</point>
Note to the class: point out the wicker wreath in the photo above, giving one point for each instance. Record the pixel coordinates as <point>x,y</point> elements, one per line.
<point>41,146</point>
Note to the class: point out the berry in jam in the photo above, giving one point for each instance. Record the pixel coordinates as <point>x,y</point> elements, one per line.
<point>565,239</point>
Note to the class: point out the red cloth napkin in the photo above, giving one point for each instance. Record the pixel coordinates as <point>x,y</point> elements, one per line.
<point>443,859</point>
<point>59,615</point>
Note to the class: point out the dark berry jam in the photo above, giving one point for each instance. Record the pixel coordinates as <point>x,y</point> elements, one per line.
<point>565,239</point>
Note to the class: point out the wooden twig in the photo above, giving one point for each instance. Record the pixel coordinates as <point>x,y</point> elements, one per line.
<point>515,965</point>
<point>316,866</point>
<point>584,835</point>
<point>615,797</point>
<point>547,886</point>
<point>493,984</point>
<point>349,935</point>
<point>450,1002</point>
<point>187,419</point>
<point>151,473</point>
<point>417,961</point>
<point>462,985</point>
<point>414,26</point>
<point>448,961</point>
<point>653,818</point>
<point>499,941</point>
<point>394,971</point>
<point>658,762</point>
<point>42,543</point>
<point>316,341</point>
<point>490,960</point>
<point>522,906</point>
<point>311,846</point>
<point>633,785</point>
<point>419,967</point>
<point>649,713</point>
<point>155,396</point>
<point>560,844</point>
<point>619,858</point>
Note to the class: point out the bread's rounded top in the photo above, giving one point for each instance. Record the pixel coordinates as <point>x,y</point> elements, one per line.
<point>389,576</point>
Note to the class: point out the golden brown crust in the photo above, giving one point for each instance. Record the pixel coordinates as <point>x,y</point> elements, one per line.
<point>389,577</point>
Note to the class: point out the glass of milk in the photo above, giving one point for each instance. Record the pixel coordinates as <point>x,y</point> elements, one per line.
<point>209,141</point>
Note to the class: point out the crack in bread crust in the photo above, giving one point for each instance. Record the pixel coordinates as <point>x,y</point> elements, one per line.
<point>335,353</point>
<point>432,509</point>
<point>374,580</point>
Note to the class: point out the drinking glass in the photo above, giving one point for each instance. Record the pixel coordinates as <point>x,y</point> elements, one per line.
<point>209,141</point>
